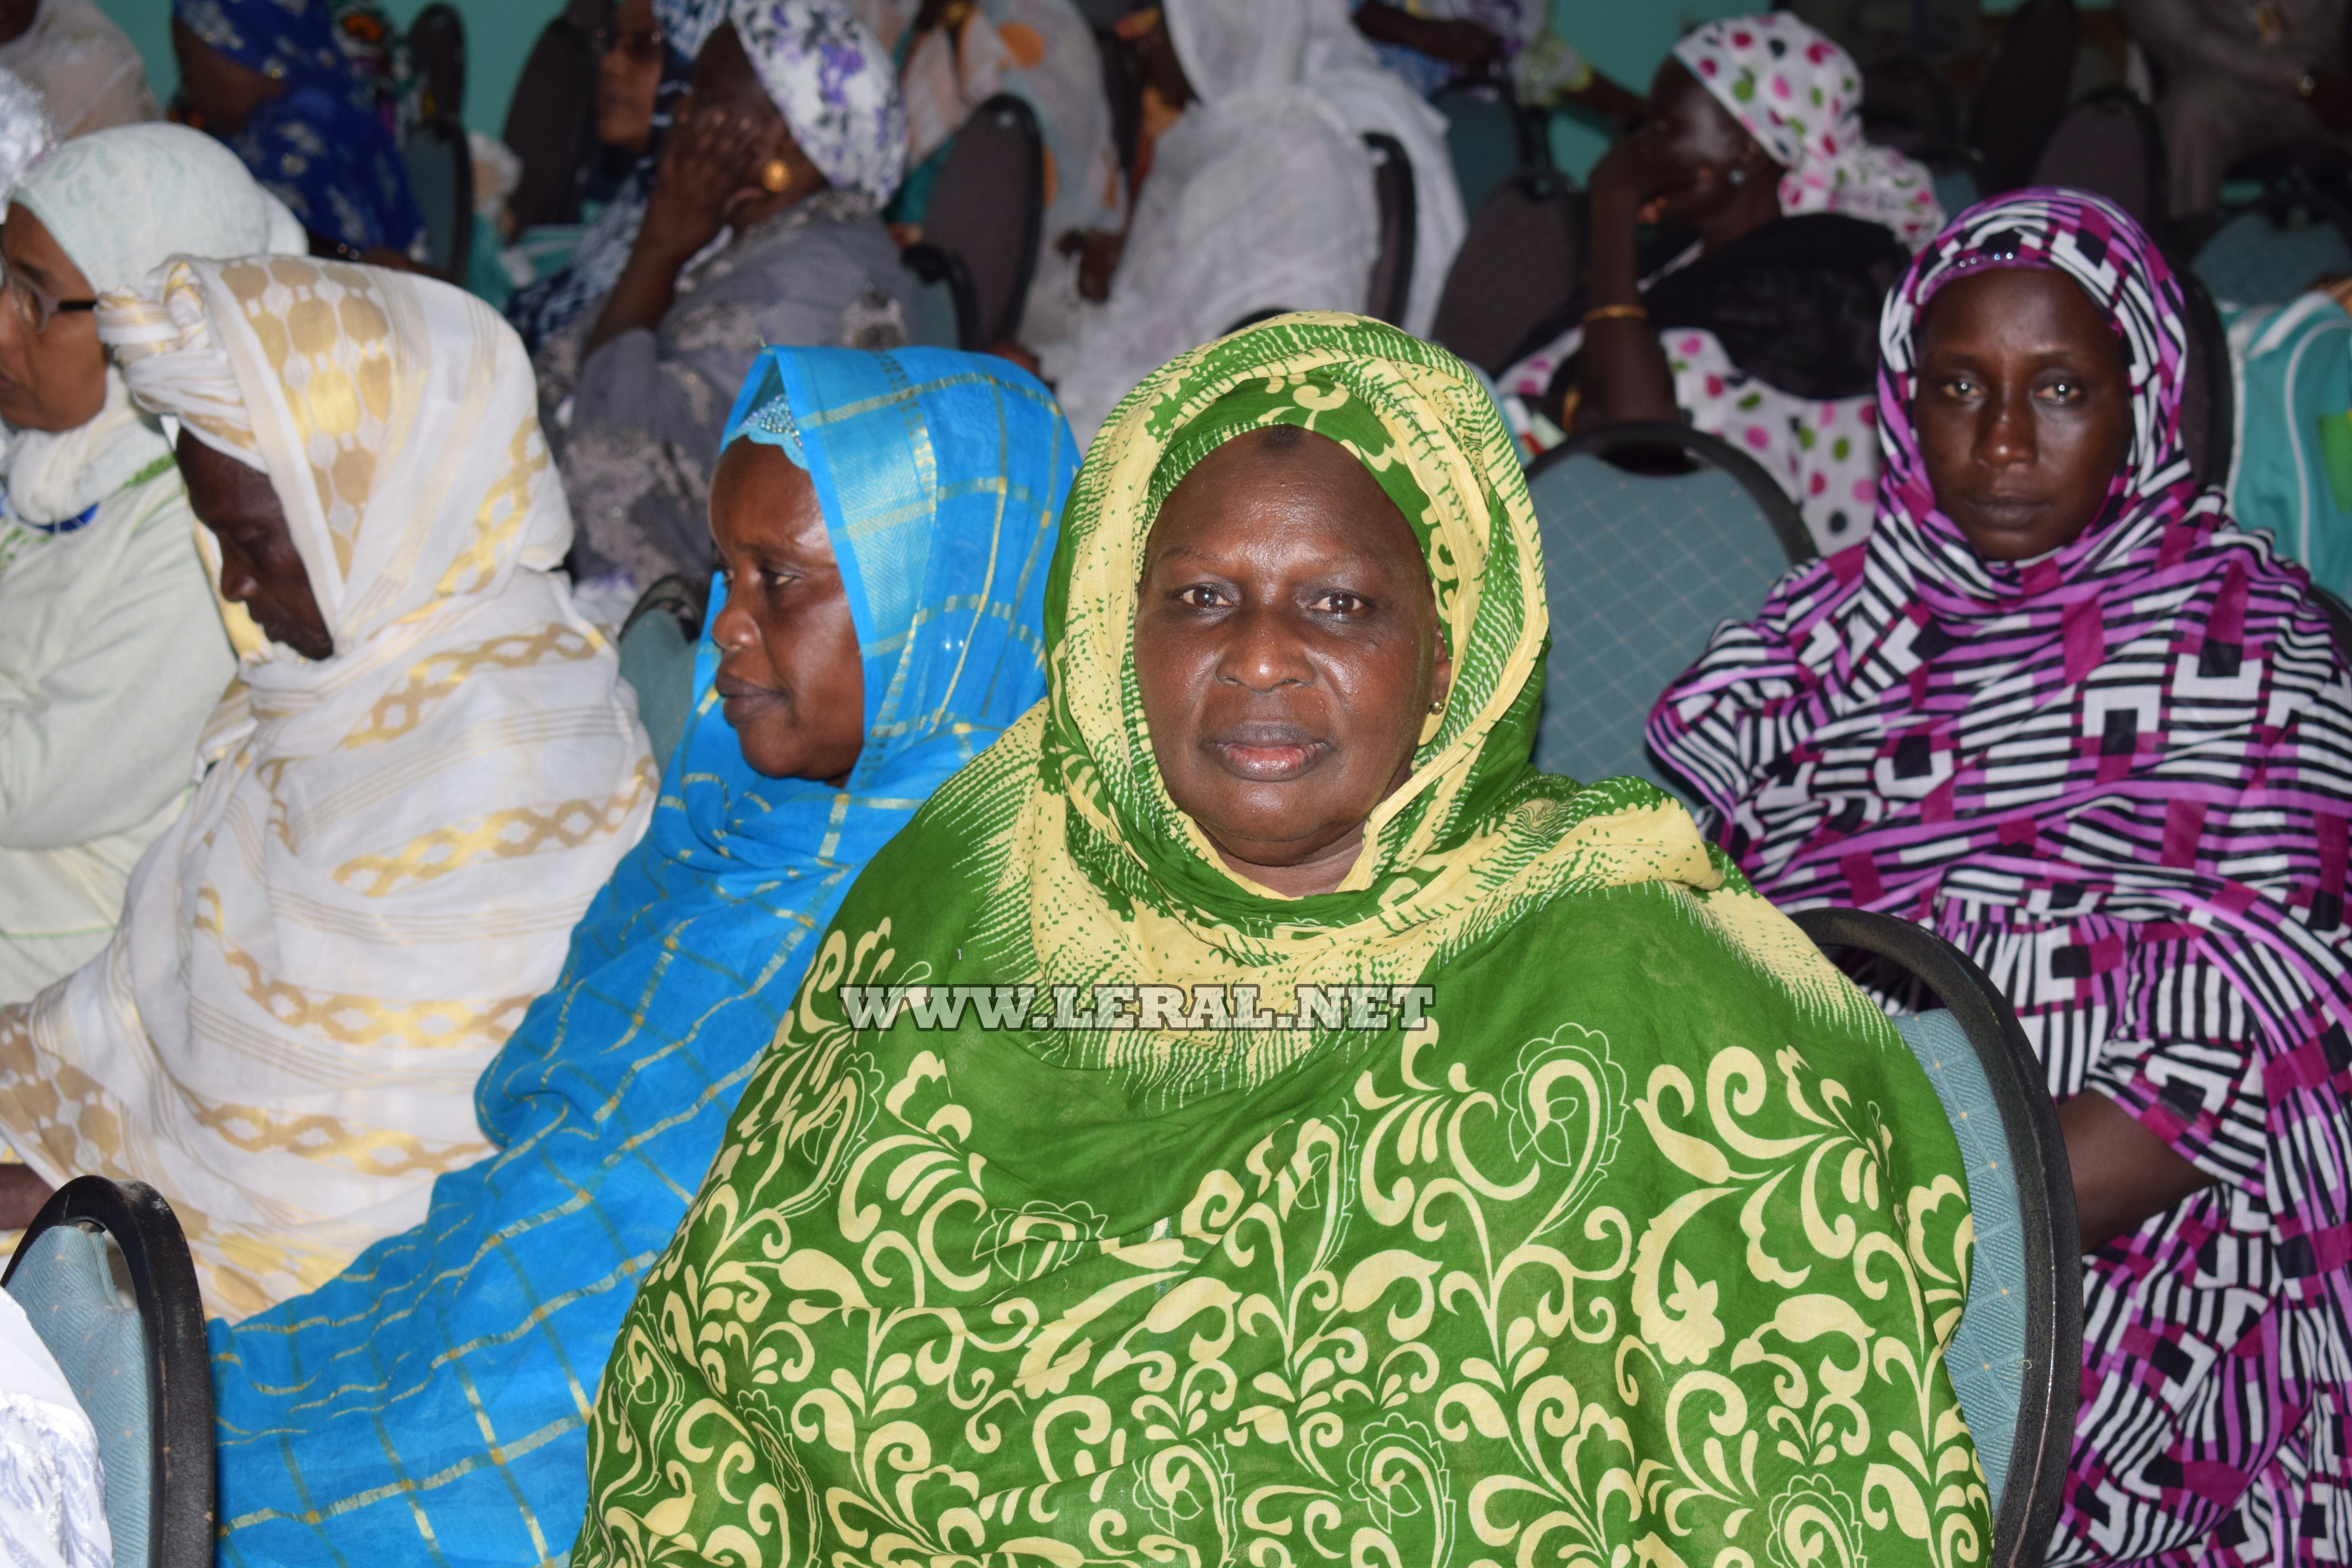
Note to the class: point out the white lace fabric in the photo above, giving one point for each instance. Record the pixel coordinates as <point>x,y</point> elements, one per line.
<point>52,1486</point>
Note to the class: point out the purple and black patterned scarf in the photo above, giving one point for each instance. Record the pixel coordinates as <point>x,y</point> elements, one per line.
<point>2116,774</point>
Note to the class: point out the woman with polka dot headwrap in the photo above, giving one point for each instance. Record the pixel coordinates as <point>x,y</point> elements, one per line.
<point>1755,315</point>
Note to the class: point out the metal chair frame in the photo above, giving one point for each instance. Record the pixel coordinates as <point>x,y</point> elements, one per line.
<point>450,140</point>
<point>179,1365</point>
<point>684,599</point>
<point>932,261</point>
<point>436,41</point>
<point>1696,448</point>
<point>1390,286</point>
<point>2037,1149</point>
<point>2151,133</point>
<point>1994,103</point>
<point>1544,186</point>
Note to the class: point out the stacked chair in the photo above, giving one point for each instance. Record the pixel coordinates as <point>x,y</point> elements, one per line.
<point>983,229</point>
<point>439,157</point>
<point>104,1276</point>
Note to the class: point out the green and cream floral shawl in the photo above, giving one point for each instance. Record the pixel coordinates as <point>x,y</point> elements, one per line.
<point>1642,1251</point>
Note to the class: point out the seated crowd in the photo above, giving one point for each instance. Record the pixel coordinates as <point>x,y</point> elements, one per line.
<point>1096,1041</point>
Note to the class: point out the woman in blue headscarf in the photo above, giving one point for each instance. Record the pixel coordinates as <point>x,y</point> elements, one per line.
<point>267,78</point>
<point>883,519</point>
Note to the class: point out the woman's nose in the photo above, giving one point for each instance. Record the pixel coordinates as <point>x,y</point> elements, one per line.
<point>1264,651</point>
<point>733,628</point>
<point>2006,436</point>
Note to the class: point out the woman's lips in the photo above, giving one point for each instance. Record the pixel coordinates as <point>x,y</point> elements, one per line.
<point>1265,752</point>
<point>740,700</point>
<point>2010,511</point>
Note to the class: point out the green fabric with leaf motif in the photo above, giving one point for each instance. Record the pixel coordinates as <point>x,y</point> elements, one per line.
<point>1644,1250</point>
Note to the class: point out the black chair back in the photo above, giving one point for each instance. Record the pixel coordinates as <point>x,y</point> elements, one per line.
<point>1665,447</point>
<point>1521,266</point>
<point>441,174</point>
<point>1905,106</point>
<point>2037,1156</point>
<point>2023,95</point>
<point>1123,86</point>
<point>1391,280</point>
<point>155,1252</point>
<point>2208,396</point>
<point>552,119</point>
<point>436,45</point>
<point>2109,144</point>
<point>986,220</point>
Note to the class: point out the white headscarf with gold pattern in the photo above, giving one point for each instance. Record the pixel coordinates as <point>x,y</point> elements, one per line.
<point>383,865</point>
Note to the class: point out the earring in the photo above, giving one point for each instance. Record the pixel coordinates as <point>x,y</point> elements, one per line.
<point>774,176</point>
<point>1438,706</point>
<point>1737,177</point>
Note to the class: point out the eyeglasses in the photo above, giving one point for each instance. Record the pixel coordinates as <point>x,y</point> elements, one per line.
<point>36,306</point>
<point>643,44</point>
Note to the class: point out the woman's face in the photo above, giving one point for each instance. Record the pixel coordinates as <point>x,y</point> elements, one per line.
<point>219,93</point>
<point>2022,413</point>
<point>629,78</point>
<point>728,90</point>
<point>1693,143</point>
<point>1287,645</point>
<point>788,667</point>
<point>51,378</point>
<point>260,566</point>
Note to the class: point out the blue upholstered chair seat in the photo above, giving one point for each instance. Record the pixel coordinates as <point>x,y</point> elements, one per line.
<point>1987,1357</point>
<point>65,1282</point>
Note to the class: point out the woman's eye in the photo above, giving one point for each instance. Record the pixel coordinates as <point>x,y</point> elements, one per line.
<point>1199,596</point>
<point>1345,604</point>
<point>2061,392</point>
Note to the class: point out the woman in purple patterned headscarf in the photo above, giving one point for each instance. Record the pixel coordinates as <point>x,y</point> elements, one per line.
<point>761,228</point>
<point>2102,741</point>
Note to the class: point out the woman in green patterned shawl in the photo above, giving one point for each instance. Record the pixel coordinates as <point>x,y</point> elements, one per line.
<point>1574,1211</point>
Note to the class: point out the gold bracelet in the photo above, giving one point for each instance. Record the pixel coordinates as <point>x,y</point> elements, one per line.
<point>1616,314</point>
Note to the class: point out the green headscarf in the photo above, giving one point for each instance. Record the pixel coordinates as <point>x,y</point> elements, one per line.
<point>1645,1248</point>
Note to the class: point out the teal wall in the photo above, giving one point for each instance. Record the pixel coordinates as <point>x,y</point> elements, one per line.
<point>1625,39</point>
<point>499,34</point>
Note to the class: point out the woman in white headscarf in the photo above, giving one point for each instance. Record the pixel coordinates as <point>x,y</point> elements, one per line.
<point>426,772</point>
<point>85,66</point>
<point>1369,94</point>
<point>111,647</point>
<point>1259,199</point>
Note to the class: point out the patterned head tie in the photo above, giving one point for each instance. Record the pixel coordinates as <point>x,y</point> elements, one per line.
<point>764,414</point>
<point>1800,95</point>
<point>163,341</point>
<point>835,86</point>
<point>2111,258</point>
